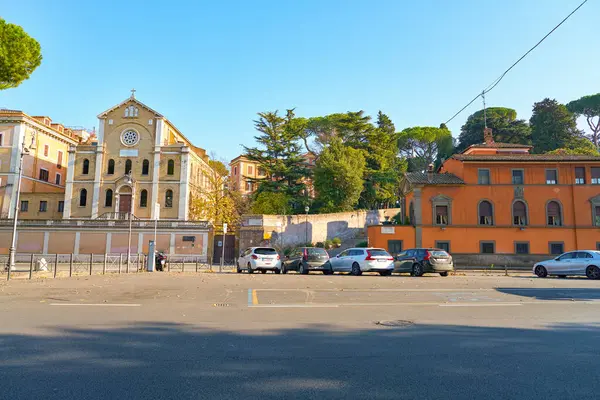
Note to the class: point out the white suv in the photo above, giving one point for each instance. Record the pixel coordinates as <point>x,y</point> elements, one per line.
<point>359,260</point>
<point>261,259</point>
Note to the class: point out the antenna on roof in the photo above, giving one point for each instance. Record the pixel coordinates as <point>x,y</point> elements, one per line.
<point>484,110</point>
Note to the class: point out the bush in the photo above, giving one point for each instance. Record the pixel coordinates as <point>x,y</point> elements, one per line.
<point>287,251</point>
<point>363,244</point>
<point>337,242</point>
<point>320,245</point>
<point>328,244</point>
<point>398,219</point>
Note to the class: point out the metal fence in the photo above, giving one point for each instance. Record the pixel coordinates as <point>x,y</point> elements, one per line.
<point>28,266</point>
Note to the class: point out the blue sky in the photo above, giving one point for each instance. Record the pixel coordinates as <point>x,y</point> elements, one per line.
<point>210,66</point>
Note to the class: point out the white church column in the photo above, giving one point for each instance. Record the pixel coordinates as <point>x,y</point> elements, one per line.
<point>69,182</point>
<point>184,184</point>
<point>160,126</point>
<point>97,177</point>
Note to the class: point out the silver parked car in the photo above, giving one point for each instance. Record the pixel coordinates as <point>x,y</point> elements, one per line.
<point>359,260</point>
<point>581,262</point>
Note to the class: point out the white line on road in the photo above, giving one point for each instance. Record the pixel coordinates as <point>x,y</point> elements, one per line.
<point>377,290</point>
<point>483,304</point>
<point>434,304</point>
<point>96,304</point>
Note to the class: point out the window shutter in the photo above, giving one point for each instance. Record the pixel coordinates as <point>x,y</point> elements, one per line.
<point>553,209</point>
<point>485,209</point>
<point>580,172</point>
<point>519,209</point>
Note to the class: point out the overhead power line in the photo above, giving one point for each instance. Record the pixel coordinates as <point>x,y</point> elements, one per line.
<point>497,81</point>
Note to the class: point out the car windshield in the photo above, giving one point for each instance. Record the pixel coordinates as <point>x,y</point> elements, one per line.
<point>379,253</point>
<point>438,253</point>
<point>265,251</point>
<point>317,252</point>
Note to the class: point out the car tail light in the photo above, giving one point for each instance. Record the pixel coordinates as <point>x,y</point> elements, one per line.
<point>390,258</point>
<point>279,258</point>
<point>427,255</point>
<point>305,255</point>
<point>369,256</point>
<point>254,257</point>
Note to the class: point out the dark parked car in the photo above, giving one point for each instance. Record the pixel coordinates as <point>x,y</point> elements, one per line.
<point>306,259</point>
<point>421,261</point>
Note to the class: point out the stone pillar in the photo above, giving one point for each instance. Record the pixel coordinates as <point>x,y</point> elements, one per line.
<point>69,182</point>
<point>418,217</point>
<point>97,178</point>
<point>184,187</point>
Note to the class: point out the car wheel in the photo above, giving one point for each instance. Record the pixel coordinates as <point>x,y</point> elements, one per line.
<point>592,272</point>
<point>250,270</point>
<point>541,271</point>
<point>239,270</point>
<point>277,271</point>
<point>562,276</point>
<point>356,270</point>
<point>302,269</point>
<point>417,270</point>
<point>283,269</point>
<point>445,273</point>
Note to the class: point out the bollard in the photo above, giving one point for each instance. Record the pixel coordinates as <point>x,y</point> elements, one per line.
<point>128,262</point>
<point>196,264</point>
<point>55,264</point>
<point>71,265</point>
<point>138,263</point>
<point>104,265</point>
<point>31,266</point>
<point>120,261</point>
<point>91,263</point>
<point>505,271</point>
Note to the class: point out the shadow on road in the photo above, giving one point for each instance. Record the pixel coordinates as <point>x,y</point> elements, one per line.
<point>159,360</point>
<point>577,294</point>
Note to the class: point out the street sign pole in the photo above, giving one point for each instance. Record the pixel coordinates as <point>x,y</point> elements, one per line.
<point>223,248</point>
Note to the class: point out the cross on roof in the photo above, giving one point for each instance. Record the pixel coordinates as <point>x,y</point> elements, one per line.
<point>133,93</point>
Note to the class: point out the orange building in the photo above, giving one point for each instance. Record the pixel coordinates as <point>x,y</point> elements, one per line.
<point>498,202</point>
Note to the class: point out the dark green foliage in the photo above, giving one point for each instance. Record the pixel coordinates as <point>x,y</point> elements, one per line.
<point>553,126</point>
<point>505,126</point>
<point>589,107</point>
<point>20,55</point>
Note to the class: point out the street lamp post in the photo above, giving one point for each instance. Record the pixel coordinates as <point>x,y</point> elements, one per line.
<point>306,209</point>
<point>223,248</point>
<point>129,181</point>
<point>13,244</point>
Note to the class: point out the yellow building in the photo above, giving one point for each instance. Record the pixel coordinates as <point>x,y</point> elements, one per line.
<point>241,171</point>
<point>44,164</point>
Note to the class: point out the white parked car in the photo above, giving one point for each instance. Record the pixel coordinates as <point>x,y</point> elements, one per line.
<point>581,262</point>
<point>261,259</point>
<point>359,260</point>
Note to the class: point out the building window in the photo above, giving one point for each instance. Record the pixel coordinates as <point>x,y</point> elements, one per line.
<point>24,206</point>
<point>556,248</point>
<point>144,198</point>
<point>169,198</point>
<point>248,186</point>
<point>86,167</point>
<point>44,176</point>
<point>59,160</point>
<point>171,167</point>
<point>595,175</point>
<point>519,213</point>
<point>444,245</point>
<point>108,198</point>
<point>46,150</point>
<point>43,206</point>
<point>441,215</point>
<point>521,247</point>
<point>487,247</point>
<point>57,179</point>
<point>598,246</point>
<point>580,175</point>
<point>261,172</point>
<point>486,213</point>
<point>145,167</point>
<point>82,198</point>
<point>394,247</point>
<point>1,140</point>
<point>551,177</point>
<point>111,167</point>
<point>235,170</point>
<point>518,177</point>
<point>553,213</point>
<point>597,215</point>
<point>250,170</point>
<point>483,176</point>
<point>61,206</point>
<point>128,167</point>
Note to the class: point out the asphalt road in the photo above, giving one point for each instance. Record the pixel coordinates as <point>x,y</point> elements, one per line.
<point>228,336</point>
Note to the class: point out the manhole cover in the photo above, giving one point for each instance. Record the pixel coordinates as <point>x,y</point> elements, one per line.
<point>396,323</point>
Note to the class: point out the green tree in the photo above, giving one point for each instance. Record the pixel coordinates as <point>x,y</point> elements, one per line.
<point>424,145</point>
<point>271,203</point>
<point>505,126</point>
<point>20,55</point>
<point>577,146</point>
<point>589,106</point>
<point>338,177</point>
<point>553,126</point>
<point>280,156</point>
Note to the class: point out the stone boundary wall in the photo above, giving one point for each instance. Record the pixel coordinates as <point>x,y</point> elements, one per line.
<point>291,230</point>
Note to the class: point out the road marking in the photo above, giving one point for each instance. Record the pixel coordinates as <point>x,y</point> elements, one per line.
<point>434,304</point>
<point>482,304</point>
<point>252,298</point>
<point>97,304</point>
<point>380,290</point>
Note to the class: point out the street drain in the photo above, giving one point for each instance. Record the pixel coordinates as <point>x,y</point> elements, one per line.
<point>221,305</point>
<point>395,323</point>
